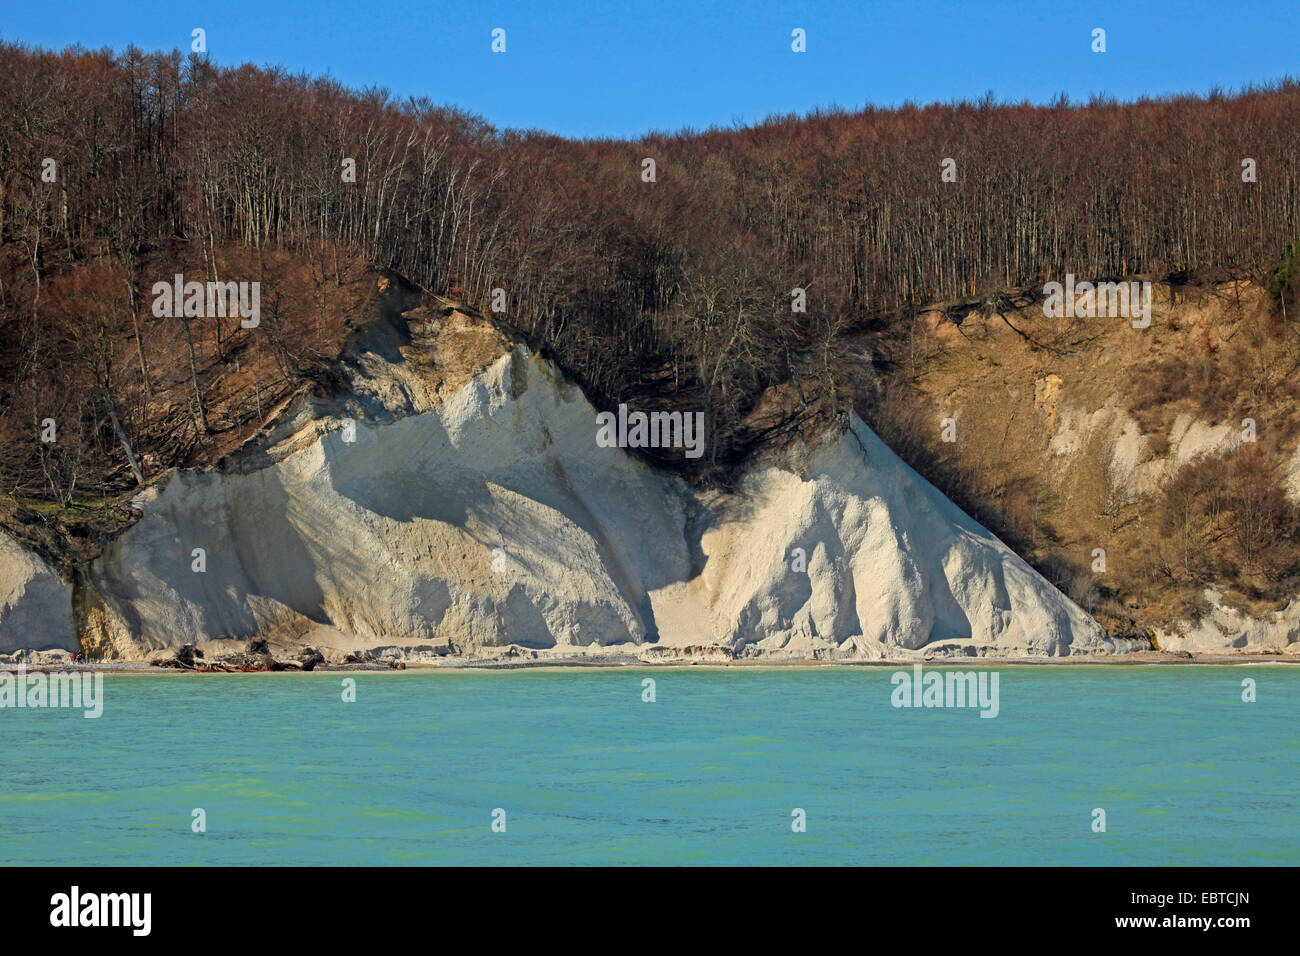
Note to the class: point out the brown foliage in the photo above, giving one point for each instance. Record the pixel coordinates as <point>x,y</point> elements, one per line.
<point>676,291</point>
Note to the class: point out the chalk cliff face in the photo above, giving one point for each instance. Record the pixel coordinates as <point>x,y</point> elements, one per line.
<point>35,605</point>
<point>479,511</point>
<point>892,565</point>
<point>489,520</point>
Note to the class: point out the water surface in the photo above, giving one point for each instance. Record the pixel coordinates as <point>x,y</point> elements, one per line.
<point>710,773</point>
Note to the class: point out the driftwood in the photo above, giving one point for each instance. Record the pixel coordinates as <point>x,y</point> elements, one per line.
<point>255,659</point>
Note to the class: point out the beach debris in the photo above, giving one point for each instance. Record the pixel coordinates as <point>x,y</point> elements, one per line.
<point>257,657</point>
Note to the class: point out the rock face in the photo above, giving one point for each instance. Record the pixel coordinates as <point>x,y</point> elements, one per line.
<point>1226,630</point>
<point>482,513</point>
<point>492,519</point>
<point>35,604</point>
<point>892,566</point>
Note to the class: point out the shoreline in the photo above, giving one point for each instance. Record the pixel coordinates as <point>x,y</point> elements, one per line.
<point>465,665</point>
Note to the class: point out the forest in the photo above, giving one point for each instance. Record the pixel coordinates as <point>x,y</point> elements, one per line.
<point>669,284</point>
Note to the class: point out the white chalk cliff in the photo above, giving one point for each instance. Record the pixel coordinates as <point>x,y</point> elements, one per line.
<point>469,515</point>
<point>35,604</point>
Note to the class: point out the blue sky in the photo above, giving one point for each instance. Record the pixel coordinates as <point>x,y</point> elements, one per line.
<point>620,68</point>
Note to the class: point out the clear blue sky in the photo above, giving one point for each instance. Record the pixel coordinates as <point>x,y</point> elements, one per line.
<point>619,68</point>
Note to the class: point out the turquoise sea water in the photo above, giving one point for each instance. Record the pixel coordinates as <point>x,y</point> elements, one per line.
<point>588,773</point>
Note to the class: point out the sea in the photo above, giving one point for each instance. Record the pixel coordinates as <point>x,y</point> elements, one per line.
<point>1082,765</point>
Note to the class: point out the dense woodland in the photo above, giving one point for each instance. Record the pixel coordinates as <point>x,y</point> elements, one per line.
<point>676,290</point>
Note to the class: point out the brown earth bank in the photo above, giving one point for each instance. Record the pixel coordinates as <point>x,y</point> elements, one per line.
<point>1152,474</point>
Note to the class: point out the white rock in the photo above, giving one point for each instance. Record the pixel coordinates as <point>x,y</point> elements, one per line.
<point>893,567</point>
<point>390,540</point>
<point>477,518</point>
<point>1226,630</point>
<point>394,536</point>
<point>35,603</point>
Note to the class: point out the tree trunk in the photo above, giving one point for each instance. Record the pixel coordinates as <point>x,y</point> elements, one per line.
<point>202,420</point>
